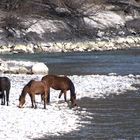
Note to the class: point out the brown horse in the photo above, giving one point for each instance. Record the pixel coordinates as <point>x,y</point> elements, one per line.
<point>34,88</point>
<point>62,83</point>
<point>5,85</point>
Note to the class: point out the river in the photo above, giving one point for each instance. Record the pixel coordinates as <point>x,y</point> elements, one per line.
<point>121,62</point>
<point>116,117</point>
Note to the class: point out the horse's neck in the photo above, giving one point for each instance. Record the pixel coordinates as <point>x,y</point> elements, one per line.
<point>24,91</point>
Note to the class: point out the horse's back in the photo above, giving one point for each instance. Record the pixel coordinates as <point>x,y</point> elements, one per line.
<point>5,83</point>
<point>48,78</point>
<point>36,86</point>
<point>55,78</point>
<point>57,82</point>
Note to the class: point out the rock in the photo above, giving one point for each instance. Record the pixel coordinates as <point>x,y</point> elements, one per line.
<point>39,68</point>
<point>104,19</point>
<point>23,48</point>
<point>4,49</point>
<point>19,49</point>
<point>17,70</point>
<point>16,67</point>
<point>13,70</point>
<point>23,70</point>
<point>3,66</point>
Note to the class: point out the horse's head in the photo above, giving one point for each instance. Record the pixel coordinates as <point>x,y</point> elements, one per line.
<point>21,101</point>
<point>73,101</point>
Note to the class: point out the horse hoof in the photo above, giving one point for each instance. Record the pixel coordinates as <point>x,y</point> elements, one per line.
<point>35,107</point>
<point>74,106</point>
<point>19,106</point>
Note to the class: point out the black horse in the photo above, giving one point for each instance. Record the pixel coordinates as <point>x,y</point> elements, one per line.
<point>5,86</point>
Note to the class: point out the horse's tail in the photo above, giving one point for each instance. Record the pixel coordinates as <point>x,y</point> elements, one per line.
<point>72,90</point>
<point>72,94</point>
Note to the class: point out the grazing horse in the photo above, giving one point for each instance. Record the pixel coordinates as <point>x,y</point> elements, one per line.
<point>33,88</point>
<point>5,85</point>
<point>62,83</point>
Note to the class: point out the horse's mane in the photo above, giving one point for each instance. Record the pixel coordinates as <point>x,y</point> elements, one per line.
<point>29,83</point>
<point>24,90</point>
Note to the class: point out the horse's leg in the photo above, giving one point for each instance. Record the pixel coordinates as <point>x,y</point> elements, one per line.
<point>3,98</point>
<point>48,96</point>
<point>42,97</point>
<point>45,100</point>
<point>7,97</point>
<point>65,98</point>
<point>32,100</point>
<point>60,94</point>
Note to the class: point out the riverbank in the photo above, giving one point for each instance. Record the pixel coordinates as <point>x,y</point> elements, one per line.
<point>81,46</point>
<point>27,123</point>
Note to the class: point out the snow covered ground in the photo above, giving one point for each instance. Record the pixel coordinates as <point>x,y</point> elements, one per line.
<point>58,118</point>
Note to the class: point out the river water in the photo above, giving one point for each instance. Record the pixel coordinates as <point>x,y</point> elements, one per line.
<point>113,118</point>
<point>121,62</point>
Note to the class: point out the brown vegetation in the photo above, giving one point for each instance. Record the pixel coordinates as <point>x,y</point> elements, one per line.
<point>16,15</point>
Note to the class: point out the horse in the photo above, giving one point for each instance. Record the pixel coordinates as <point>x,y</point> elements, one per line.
<point>33,88</point>
<point>62,83</point>
<point>5,85</point>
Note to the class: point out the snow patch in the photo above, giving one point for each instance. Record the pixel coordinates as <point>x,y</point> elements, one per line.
<point>58,118</point>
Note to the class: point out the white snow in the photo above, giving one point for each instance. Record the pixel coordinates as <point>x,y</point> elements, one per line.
<point>58,118</point>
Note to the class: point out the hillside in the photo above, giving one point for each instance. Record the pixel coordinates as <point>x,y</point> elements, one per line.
<point>58,24</point>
